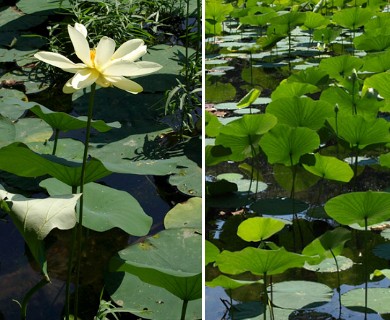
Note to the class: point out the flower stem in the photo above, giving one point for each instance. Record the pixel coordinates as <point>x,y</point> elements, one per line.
<point>56,133</point>
<point>82,178</point>
<point>44,281</point>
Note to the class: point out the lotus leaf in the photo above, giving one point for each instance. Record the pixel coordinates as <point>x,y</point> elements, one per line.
<point>285,145</point>
<point>363,208</point>
<point>259,228</point>
<point>185,215</point>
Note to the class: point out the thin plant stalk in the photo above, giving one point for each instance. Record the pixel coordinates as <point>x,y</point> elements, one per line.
<point>79,233</point>
<point>265,297</point>
<point>44,281</point>
<point>56,133</point>
<point>365,262</point>
<point>184,309</point>
<point>338,280</point>
<point>70,267</point>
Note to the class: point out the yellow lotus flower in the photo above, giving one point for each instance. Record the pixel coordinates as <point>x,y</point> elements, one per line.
<point>102,64</point>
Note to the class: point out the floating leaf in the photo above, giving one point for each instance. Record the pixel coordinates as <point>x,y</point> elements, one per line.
<point>278,206</point>
<point>259,228</point>
<point>329,265</point>
<point>359,207</point>
<point>179,271</point>
<point>330,244</point>
<point>285,145</point>
<point>185,215</point>
<point>298,294</point>
<point>377,299</point>
<point>152,302</point>
<point>106,208</point>
<point>382,251</point>
<point>329,168</point>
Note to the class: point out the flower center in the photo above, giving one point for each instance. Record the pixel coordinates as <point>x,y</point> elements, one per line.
<point>92,54</point>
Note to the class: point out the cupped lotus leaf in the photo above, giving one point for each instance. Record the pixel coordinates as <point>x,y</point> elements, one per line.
<point>65,122</point>
<point>253,173</point>
<point>212,124</point>
<point>368,42</point>
<point>105,208</point>
<point>298,294</point>
<point>352,18</point>
<point>278,206</point>
<point>285,145</point>
<point>312,75</point>
<point>377,62</point>
<point>384,160</point>
<point>330,168</point>
<point>315,20</point>
<point>257,19</point>
<point>27,163</point>
<point>259,228</point>
<point>359,207</point>
<point>365,106</point>
<point>35,218</point>
<point>377,300</point>
<point>242,135</point>
<point>216,154</point>
<point>326,35</point>
<point>152,302</point>
<point>360,132</point>
<point>179,271</point>
<point>300,112</point>
<point>286,176</point>
<point>248,99</point>
<point>221,187</point>
<point>219,92</point>
<point>229,283</point>
<point>291,19</point>
<point>187,214</point>
<point>258,261</point>
<point>289,89</point>
<point>379,82</point>
<point>341,66</point>
<point>330,242</point>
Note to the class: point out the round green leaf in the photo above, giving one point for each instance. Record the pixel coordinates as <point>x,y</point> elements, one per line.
<point>329,265</point>
<point>106,208</point>
<point>258,261</point>
<point>259,228</point>
<point>229,283</point>
<point>170,259</point>
<point>359,207</point>
<point>185,215</point>
<point>330,168</point>
<point>285,145</point>
<point>211,252</point>
<point>377,299</point>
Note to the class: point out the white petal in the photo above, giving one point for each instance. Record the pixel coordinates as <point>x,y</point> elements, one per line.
<point>133,69</point>
<point>59,61</point>
<point>80,45</point>
<point>81,28</point>
<point>104,51</point>
<point>125,84</point>
<point>127,47</point>
<point>135,54</point>
<point>103,82</point>
<point>68,87</point>
<point>84,78</point>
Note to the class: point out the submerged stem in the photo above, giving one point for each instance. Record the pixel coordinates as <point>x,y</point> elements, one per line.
<point>79,232</point>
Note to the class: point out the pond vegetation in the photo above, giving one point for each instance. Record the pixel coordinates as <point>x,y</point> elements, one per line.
<point>100,176</point>
<point>297,147</point>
